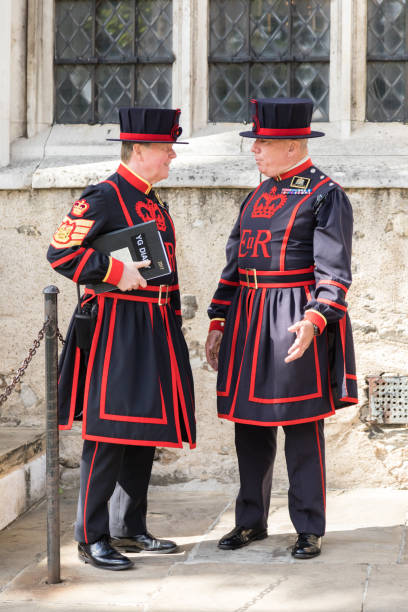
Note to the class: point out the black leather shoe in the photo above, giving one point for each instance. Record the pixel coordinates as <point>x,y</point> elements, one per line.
<point>101,554</point>
<point>307,546</point>
<point>145,541</point>
<point>239,537</point>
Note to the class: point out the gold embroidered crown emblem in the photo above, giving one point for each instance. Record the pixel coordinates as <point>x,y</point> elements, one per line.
<point>79,208</point>
<point>149,211</point>
<point>268,203</point>
<point>64,232</point>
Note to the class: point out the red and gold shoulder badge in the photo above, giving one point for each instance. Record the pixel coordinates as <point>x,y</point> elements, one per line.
<point>301,182</point>
<point>79,208</point>
<point>268,203</point>
<point>71,233</point>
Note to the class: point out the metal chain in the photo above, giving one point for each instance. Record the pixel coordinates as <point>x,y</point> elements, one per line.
<point>22,369</point>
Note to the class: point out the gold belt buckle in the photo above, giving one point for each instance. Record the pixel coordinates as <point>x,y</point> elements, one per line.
<point>160,294</point>
<point>255,278</point>
<point>248,281</point>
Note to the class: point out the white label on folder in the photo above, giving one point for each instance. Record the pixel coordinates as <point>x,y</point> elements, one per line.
<point>123,255</point>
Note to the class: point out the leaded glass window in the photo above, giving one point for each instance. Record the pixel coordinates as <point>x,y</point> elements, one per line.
<point>268,48</point>
<point>387,60</point>
<point>111,53</point>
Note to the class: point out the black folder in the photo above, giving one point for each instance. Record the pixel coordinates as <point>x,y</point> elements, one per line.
<point>135,243</point>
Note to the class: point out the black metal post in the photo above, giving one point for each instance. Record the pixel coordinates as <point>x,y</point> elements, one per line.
<point>52,441</point>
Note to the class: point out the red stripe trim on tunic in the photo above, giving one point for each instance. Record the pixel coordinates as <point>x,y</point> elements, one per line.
<point>107,357</point>
<point>135,442</point>
<point>82,264</point>
<point>292,220</point>
<point>73,391</point>
<point>352,376</point>
<point>353,400</point>
<point>276,272</point>
<point>227,282</point>
<point>249,201</point>
<point>178,380</point>
<point>251,284</point>
<point>157,288</point>
<point>87,491</point>
<point>121,202</point>
<point>115,273</point>
<point>233,350</point>
<point>137,298</point>
<point>332,282</point>
<point>316,318</point>
<point>136,181</point>
<point>342,328</point>
<point>176,411</point>
<point>296,170</point>
<point>280,400</point>
<point>321,465</point>
<point>95,339</point>
<point>121,417</point>
<point>225,302</point>
<point>249,314</point>
<point>275,423</point>
<point>61,260</point>
<point>331,303</point>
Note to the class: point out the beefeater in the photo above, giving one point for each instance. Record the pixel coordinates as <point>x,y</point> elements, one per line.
<point>133,386</point>
<point>280,335</point>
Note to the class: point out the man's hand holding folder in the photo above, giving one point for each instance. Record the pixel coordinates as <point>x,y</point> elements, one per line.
<point>131,278</point>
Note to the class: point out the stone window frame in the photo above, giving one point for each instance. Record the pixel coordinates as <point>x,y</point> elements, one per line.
<point>190,70</point>
<point>348,34</point>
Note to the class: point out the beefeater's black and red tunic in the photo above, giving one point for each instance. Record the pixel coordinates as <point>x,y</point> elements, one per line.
<point>288,258</point>
<point>135,385</point>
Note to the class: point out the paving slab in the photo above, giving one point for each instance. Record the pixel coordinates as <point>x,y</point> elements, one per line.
<point>238,587</point>
<point>363,553</point>
<point>387,589</point>
<point>25,541</point>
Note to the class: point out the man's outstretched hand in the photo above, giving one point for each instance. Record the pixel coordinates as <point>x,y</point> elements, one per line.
<point>304,335</point>
<point>131,278</point>
<point>212,347</point>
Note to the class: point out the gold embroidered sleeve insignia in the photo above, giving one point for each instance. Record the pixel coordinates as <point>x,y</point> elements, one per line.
<point>71,232</point>
<point>79,208</point>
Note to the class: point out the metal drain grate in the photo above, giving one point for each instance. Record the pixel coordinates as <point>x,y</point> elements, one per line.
<point>388,399</point>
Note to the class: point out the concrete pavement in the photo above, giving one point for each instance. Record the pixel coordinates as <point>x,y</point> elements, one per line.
<point>363,566</point>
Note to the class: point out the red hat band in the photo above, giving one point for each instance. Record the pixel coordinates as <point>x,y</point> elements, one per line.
<point>148,137</point>
<point>282,132</point>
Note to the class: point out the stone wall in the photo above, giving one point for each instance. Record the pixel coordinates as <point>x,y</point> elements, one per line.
<point>378,300</point>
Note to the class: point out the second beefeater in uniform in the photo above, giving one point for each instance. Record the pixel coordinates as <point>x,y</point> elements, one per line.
<point>288,272</point>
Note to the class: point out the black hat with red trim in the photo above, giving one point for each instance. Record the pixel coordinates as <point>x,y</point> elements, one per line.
<point>149,125</point>
<point>279,118</point>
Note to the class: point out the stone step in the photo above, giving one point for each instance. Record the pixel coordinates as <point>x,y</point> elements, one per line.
<point>22,471</point>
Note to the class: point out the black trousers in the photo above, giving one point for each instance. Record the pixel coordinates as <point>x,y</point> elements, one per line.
<point>119,473</point>
<point>305,461</point>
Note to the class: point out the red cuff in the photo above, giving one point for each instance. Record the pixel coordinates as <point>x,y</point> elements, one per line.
<point>217,324</point>
<point>317,319</point>
<point>114,275</point>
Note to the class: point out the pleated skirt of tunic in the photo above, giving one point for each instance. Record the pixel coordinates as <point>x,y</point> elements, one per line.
<point>135,385</point>
<point>255,385</point>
